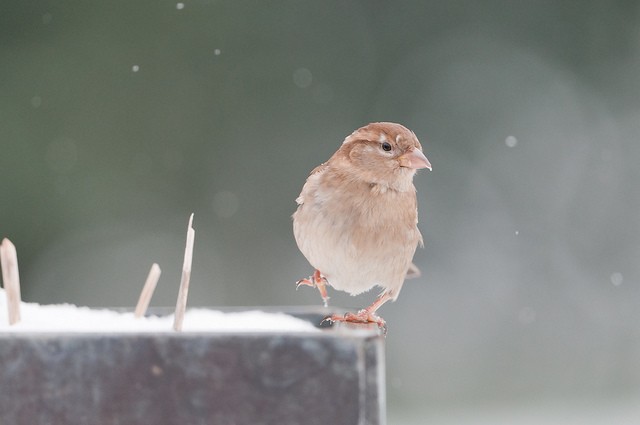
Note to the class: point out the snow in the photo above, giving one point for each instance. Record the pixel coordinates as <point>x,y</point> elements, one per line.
<point>617,278</point>
<point>511,141</point>
<point>72,318</point>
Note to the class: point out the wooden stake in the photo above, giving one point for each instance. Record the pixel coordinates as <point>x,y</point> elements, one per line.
<point>181,305</point>
<point>147,290</point>
<point>11,279</point>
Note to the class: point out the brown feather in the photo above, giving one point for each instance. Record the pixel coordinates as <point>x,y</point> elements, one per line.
<point>357,218</point>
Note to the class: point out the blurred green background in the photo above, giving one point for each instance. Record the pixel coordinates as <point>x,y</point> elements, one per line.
<point>118,119</point>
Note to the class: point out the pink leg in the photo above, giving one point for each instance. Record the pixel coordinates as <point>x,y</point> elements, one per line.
<point>316,281</point>
<point>367,315</point>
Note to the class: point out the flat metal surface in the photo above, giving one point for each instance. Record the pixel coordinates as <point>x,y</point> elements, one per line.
<point>335,376</point>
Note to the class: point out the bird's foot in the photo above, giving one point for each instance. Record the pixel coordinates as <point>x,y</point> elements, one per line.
<point>362,317</point>
<point>316,281</point>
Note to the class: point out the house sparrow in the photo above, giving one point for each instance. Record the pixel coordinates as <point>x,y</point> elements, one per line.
<point>356,221</point>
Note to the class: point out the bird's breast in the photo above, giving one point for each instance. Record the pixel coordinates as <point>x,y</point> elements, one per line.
<point>358,237</point>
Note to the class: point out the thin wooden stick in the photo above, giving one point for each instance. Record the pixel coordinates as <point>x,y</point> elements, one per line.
<point>181,305</point>
<point>147,290</point>
<point>11,279</point>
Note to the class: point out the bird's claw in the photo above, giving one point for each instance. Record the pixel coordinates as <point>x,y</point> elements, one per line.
<point>361,317</point>
<point>304,282</point>
<point>316,281</point>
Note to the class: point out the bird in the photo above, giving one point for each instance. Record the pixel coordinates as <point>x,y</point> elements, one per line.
<point>356,220</point>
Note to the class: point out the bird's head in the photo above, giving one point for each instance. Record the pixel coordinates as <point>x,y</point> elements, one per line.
<point>384,153</point>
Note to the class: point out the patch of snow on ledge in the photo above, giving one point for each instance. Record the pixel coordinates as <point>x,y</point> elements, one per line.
<point>71,318</point>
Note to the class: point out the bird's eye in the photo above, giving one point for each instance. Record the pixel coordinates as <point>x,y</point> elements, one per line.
<point>386,146</point>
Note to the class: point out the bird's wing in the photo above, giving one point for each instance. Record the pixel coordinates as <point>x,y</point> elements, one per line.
<point>319,169</point>
<point>315,173</point>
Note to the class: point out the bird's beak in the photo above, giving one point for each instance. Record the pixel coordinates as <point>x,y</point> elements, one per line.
<point>414,159</point>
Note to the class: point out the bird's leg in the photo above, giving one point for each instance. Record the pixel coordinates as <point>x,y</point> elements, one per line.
<point>316,281</point>
<point>366,315</point>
